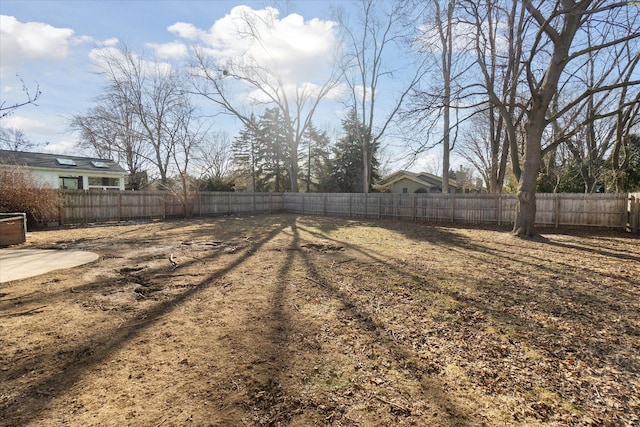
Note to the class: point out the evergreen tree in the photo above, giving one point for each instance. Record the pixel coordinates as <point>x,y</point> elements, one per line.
<point>272,134</point>
<point>316,163</point>
<point>348,166</point>
<point>215,183</point>
<point>247,153</point>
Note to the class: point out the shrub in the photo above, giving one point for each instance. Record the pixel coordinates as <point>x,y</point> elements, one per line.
<point>21,194</point>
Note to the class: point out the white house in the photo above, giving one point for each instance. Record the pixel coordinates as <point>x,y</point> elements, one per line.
<point>67,172</point>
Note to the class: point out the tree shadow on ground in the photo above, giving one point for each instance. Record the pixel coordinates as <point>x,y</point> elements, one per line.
<point>365,324</point>
<point>536,306</point>
<point>94,348</point>
<point>535,319</point>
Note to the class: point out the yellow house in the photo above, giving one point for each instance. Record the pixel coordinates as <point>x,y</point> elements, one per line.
<point>405,182</point>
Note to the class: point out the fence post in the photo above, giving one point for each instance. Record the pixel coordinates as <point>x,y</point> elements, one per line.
<point>453,206</point>
<point>164,205</point>
<point>366,208</point>
<point>556,208</point>
<point>84,209</point>
<point>633,211</point>
<point>350,201</point>
<point>414,207</point>
<point>636,214</point>
<point>119,207</point>
<point>64,195</point>
<point>629,208</point>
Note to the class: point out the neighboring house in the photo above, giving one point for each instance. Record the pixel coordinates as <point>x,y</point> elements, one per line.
<point>406,182</point>
<point>67,172</point>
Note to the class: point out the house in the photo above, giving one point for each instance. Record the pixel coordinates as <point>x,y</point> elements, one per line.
<point>411,182</point>
<point>67,172</point>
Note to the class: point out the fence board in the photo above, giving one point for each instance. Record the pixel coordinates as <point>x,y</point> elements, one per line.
<point>633,213</point>
<point>555,210</point>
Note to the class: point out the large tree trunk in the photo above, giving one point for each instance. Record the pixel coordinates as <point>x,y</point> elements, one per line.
<point>295,169</point>
<point>366,170</point>
<point>543,92</point>
<point>524,224</point>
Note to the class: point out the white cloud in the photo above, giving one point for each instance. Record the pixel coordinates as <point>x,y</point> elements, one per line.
<point>82,40</point>
<point>301,51</point>
<point>31,41</point>
<point>108,42</point>
<point>25,124</point>
<point>173,50</point>
<point>186,31</point>
<point>61,147</point>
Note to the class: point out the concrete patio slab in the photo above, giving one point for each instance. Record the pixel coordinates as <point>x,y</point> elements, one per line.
<point>22,263</point>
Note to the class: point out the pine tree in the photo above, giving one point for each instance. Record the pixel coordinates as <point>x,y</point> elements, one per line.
<point>273,139</point>
<point>247,153</point>
<point>347,173</point>
<point>316,163</point>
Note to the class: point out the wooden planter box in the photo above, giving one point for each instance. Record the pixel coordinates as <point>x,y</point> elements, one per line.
<point>13,229</point>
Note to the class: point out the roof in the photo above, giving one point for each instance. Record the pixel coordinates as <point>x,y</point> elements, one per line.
<point>59,162</point>
<point>422,178</point>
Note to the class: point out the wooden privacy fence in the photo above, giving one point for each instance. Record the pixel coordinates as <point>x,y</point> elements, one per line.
<point>599,210</point>
<point>104,206</point>
<point>553,210</point>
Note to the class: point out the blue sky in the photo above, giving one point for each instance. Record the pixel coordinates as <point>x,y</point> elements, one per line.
<point>51,43</point>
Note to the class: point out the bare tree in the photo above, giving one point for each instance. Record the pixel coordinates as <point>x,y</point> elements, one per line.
<point>142,112</point>
<point>111,131</point>
<point>153,96</point>
<point>563,32</point>
<point>477,146</point>
<point>555,46</point>
<point>371,59</point>
<point>188,134</point>
<point>264,81</point>
<point>445,100</point>
<point>445,35</point>
<point>215,156</point>
<point>500,31</point>
<point>14,140</point>
<point>627,118</point>
<point>8,109</point>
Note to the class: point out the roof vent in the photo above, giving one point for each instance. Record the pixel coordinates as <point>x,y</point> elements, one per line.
<point>65,162</point>
<point>98,164</point>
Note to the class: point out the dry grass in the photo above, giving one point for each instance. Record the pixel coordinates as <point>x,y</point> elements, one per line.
<point>287,320</point>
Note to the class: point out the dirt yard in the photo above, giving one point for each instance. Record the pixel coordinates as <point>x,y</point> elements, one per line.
<point>284,320</point>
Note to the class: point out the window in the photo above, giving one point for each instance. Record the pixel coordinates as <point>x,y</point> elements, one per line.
<point>98,164</point>
<point>70,182</point>
<point>405,190</point>
<point>98,181</point>
<point>104,182</point>
<point>65,162</point>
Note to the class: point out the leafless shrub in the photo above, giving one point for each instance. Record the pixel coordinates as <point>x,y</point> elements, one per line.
<point>20,193</point>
